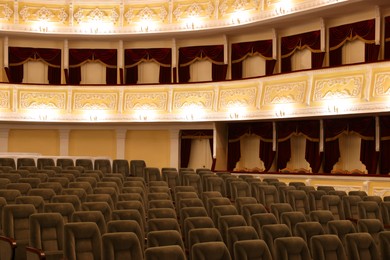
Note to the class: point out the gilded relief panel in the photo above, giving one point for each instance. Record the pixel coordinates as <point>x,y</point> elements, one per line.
<point>227,8</point>
<point>6,11</point>
<point>237,97</point>
<point>292,92</point>
<point>146,13</point>
<point>35,13</point>
<point>381,84</point>
<point>156,101</point>
<point>84,14</point>
<point>41,99</point>
<point>202,99</point>
<point>95,100</point>
<point>343,86</point>
<point>184,9</point>
<point>5,99</point>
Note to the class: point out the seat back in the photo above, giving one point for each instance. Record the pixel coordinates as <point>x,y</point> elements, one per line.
<point>121,245</point>
<point>361,246</point>
<point>83,241</point>
<point>211,251</point>
<point>137,168</point>
<point>259,220</point>
<point>324,247</point>
<point>47,232</point>
<point>334,204</point>
<point>103,165</point>
<point>272,232</point>
<point>291,248</point>
<point>165,253</point>
<point>121,166</point>
<point>369,210</point>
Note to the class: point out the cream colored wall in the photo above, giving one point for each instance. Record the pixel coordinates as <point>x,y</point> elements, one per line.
<point>92,143</point>
<point>151,146</point>
<point>43,141</point>
<point>142,44</point>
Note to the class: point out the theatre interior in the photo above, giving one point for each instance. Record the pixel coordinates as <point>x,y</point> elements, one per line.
<point>204,129</point>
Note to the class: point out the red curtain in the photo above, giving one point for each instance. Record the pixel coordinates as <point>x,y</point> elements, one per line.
<point>365,128</point>
<point>78,57</point>
<point>214,53</point>
<point>333,128</point>
<point>285,130</point>
<point>262,129</point>
<point>162,56</point>
<point>364,30</point>
<point>17,56</point>
<point>310,40</point>
<point>240,51</point>
<point>186,137</point>
<point>384,163</point>
<point>311,130</point>
<point>387,37</point>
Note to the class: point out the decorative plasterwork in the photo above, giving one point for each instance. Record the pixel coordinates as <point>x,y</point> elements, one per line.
<point>6,11</point>
<point>342,87</point>
<point>243,97</point>
<point>191,9</point>
<point>145,101</point>
<point>47,13</point>
<point>100,14</point>
<point>42,100</point>
<point>228,7</point>
<point>279,96</point>
<point>95,101</point>
<point>284,93</point>
<point>146,13</point>
<point>199,99</point>
<point>5,101</point>
<point>381,84</point>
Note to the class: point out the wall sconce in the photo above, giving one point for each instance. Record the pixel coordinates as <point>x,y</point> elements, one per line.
<point>192,23</point>
<point>283,7</point>
<point>145,114</point>
<point>333,109</point>
<point>193,112</point>
<point>283,110</point>
<point>236,112</point>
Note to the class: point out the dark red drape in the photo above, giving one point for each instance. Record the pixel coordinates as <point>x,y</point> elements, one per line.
<point>162,56</point>
<point>186,137</point>
<point>387,37</point>
<point>365,30</point>
<point>384,163</point>
<point>365,127</point>
<point>78,57</point>
<point>333,128</point>
<point>185,152</point>
<point>311,130</point>
<point>284,131</point>
<point>310,40</point>
<point>17,56</point>
<point>265,131</point>
<point>242,50</point>
<point>188,55</point>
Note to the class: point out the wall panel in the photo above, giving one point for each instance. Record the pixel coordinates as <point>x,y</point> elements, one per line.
<point>92,143</point>
<point>43,141</point>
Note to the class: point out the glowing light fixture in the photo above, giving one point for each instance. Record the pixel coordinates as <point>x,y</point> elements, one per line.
<point>193,112</point>
<point>283,110</point>
<point>236,111</point>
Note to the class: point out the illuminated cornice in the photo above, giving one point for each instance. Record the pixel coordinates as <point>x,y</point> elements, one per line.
<point>135,17</point>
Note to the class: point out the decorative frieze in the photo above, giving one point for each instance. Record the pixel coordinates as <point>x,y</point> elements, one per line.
<point>42,100</point>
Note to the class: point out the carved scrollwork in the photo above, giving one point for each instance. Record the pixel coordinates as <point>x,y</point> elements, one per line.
<point>203,99</point>
<point>44,13</point>
<point>95,101</point>
<point>4,99</point>
<point>193,9</point>
<point>147,101</point>
<point>382,84</point>
<point>340,87</point>
<point>5,12</point>
<point>285,93</point>
<point>39,100</point>
<point>245,97</point>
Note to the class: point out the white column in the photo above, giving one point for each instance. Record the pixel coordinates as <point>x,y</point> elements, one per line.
<point>120,57</point>
<point>4,132</point>
<point>323,34</point>
<point>174,148</point>
<point>6,52</point>
<point>65,61</point>
<point>274,136</point>
<point>64,142</point>
<point>377,135</point>
<point>321,136</point>
<point>377,25</point>
<point>120,143</point>
<point>174,61</point>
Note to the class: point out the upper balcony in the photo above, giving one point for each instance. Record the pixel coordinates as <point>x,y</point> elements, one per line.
<point>351,89</point>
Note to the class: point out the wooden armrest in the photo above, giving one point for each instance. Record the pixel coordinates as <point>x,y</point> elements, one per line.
<point>9,240</point>
<point>38,252</point>
<point>8,247</point>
